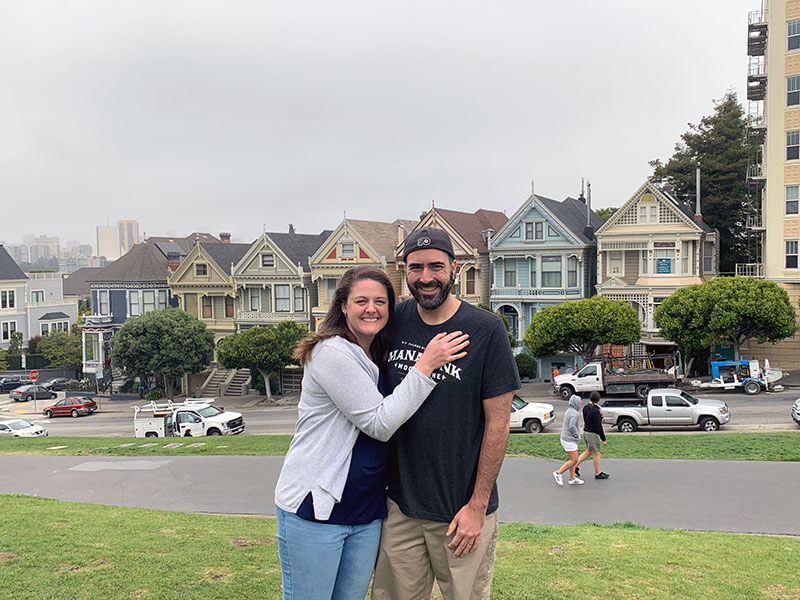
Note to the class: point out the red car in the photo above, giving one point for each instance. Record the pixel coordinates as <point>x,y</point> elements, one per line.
<point>73,406</point>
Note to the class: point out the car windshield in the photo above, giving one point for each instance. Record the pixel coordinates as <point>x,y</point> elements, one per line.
<point>20,424</point>
<point>518,403</point>
<point>689,398</point>
<point>210,411</point>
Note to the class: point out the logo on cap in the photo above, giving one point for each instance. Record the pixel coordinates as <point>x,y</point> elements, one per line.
<point>424,241</point>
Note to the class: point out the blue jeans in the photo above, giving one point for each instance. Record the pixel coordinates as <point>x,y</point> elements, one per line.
<point>321,561</point>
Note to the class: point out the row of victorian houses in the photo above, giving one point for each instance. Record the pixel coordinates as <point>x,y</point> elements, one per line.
<point>547,252</point>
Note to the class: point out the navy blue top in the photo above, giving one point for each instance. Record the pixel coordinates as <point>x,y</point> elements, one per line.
<point>364,495</point>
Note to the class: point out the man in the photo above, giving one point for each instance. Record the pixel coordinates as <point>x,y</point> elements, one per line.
<point>593,435</point>
<point>444,461</point>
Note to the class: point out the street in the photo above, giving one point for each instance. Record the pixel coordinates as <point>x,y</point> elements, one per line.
<point>763,412</point>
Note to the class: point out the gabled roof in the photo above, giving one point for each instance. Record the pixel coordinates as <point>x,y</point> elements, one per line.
<point>9,269</point>
<point>143,262</point>
<point>382,237</point>
<point>683,208</point>
<point>77,282</point>
<point>51,316</point>
<point>185,243</point>
<point>300,247</point>
<point>472,225</point>
<point>572,214</point>
<point>226,255</point>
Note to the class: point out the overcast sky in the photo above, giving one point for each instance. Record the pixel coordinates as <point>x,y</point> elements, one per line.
<point>231,116</point>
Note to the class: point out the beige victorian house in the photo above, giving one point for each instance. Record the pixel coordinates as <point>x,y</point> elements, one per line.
<point>470,233</point>
<point>355,242</point>
<point>652,246</point>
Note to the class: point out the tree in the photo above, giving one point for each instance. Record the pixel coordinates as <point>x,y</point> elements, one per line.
<point>166,343</point>
<point>605,213</point>
<point>719,145</point>
<point>3,360</point>
<point>726,309</point>
<point>511,338</point>
<point>15,343</point>
<point>61,350</point>
<point>580,326</point>
<point>263,349</point>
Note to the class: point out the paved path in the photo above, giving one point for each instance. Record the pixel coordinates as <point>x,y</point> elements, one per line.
<point>743,497</point>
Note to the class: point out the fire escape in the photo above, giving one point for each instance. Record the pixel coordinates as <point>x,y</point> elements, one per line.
<point>756,134</point>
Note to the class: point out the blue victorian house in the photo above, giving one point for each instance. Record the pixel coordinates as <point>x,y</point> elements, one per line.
<point>545,254</point>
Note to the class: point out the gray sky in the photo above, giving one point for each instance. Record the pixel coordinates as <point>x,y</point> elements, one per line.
<point>225,116</point>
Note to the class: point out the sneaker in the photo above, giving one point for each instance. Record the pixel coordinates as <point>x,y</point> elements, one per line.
<point>558,477</point>
<point>576,481</point>
<point>601,476</point>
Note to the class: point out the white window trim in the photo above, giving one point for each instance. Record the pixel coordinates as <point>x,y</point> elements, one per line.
<point>44,296</point>
<point>621,264</point>
<point>10,322</point>
<point>265,255</point>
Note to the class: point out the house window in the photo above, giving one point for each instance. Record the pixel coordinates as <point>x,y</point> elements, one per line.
<point>148,300</point>
<point>103,294</point>
<point>91,347</point>
<point>206,300</point>
<point>792,145</point>
<point>330,288</point>
<point>615,262</point>
<point>708,257</point>
<point>162,298</point>
<point>299,299</point>
<point>791,254</point>
<point>793,34</point>
<point>45,328</point>
<point>551,232</point>
<point>228,307</point>
<point>538,230</point>
<point>8,327</point>
<point>664,261</point>
<point>133,303</point>
<point>7,299</point>
<point>267,260</point>
<point>201,270</point>
<point>255,299</point>
<point>793,90</point>
<point>528,231</point>
<point>533,272</point>
<point>509,272</point>
<point>792,196</point>
<point>551,271</point>
<point>685,249</point>
<point>572,272</point>
<point>282,300</point>
<point>645,262</point>
<point>648,212</point>
<point>470,282</point>
<point>348,250</point>
<point>37,296</point>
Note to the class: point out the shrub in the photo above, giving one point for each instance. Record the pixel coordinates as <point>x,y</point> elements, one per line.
<point>153,395</point>
<point>526,365</point>
<point>73,385</point>
<point>87,385</point>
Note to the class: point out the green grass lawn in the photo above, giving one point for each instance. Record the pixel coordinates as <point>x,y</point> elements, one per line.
<point>62,550</point>
<point>783,446</point>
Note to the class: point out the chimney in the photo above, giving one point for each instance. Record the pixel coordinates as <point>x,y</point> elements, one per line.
<point>698,215</point>
<point>291,229</point>
<point>196,240</point>
<point>225,237</point>
<point>173,261</point>
<point>588,231</point>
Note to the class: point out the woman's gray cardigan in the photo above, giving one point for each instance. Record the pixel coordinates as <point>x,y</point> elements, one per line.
<point>340,397</point>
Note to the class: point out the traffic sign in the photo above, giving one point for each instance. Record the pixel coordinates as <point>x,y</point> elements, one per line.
<point>34,375</point>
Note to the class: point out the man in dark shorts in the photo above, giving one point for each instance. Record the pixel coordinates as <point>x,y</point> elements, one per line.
<point>444,461</point>
<point>593,434</point>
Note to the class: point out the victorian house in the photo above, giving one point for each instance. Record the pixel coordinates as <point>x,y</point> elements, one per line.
<point>356,242</point>
<point>652,246</point>
<point>544,255</point>
<point>273,280</point>
<point>469,233</point>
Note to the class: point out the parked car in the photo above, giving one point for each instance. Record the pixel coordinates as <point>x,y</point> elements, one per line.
<point>57,384</point>
<point>533,417</point>
<point>73,406</point>
<point>796,411</point>
<point>21,428</point>
<point>26,393</point>
<point>10,383</point>
<point>665,407</point>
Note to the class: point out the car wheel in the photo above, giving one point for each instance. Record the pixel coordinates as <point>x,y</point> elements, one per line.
<point>709,424</point>
<point>642,390</point>
<point>48,414</point>
<point>214,432</point>
<point>28,398</point>
<point>533,426</point>
<point>751,388</point>
<point>74,413</point>
<point>627,426</point>
<point>565,391</point>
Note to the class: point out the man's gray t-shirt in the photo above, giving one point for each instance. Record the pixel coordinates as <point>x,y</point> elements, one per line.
<point>433,457</point>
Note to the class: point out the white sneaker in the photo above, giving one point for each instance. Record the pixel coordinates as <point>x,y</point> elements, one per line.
<point>558,477</point>
<point>576,481</point>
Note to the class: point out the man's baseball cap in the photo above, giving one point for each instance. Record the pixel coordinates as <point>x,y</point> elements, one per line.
<point>427,238</point>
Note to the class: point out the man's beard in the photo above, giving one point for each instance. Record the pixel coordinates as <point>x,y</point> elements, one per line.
<point>432,302</point>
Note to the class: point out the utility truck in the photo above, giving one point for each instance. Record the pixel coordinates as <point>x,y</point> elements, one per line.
<point>195,417</point>
<point>624,375</point>
<point>665,407</point>
<point>747,375</point>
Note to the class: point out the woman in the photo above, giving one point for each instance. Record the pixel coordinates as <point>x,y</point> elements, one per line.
<point>331,490</point>
<point>593,435</point>
<point>570,436</point>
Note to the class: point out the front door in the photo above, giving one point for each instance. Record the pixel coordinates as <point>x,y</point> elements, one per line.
<point>678,411</point>
<point>587,379</point>
<point>189,424</point>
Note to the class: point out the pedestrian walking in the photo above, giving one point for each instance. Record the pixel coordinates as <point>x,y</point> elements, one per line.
<point>593,435</point>
<point>570,436</point>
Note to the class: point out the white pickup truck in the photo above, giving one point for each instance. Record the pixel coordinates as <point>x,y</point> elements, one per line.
<point>594,378</point>
<point>533,417</point>
<point>194,417</point>
<point>665,407</point>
